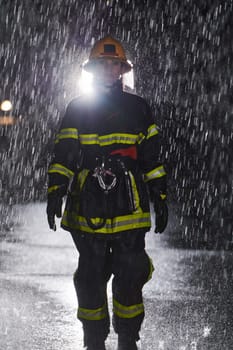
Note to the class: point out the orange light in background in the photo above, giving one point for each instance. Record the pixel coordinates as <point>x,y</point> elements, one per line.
<point>7,120</point>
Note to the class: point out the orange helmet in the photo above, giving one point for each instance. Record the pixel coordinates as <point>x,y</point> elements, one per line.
<point>107,47</point>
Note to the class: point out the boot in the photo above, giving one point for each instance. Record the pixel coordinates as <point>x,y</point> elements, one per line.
<point>99,346</point>
<point>126,343</point>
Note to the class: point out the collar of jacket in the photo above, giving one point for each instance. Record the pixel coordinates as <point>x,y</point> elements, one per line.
<point>115,89</point>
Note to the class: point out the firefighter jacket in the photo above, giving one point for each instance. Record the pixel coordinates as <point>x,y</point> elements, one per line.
<point>107,154</point>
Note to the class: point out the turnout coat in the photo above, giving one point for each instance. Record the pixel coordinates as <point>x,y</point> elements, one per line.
<point>106,156</point>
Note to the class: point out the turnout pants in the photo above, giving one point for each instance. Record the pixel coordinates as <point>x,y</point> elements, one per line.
<point>99,258</point>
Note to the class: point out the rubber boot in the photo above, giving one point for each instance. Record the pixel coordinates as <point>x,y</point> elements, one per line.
<point>99,346</point>
<point>126,343</point>
<point>96,348</point>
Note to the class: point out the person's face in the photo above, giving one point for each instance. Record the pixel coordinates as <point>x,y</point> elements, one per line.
<point>107,71</point>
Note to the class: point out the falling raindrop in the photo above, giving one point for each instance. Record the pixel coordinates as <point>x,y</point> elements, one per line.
<point>182,61</point>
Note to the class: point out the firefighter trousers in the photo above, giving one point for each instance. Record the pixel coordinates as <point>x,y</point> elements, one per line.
<point>100,258</point>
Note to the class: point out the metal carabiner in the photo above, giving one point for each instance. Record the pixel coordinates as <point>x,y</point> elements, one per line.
<point>100,173</point>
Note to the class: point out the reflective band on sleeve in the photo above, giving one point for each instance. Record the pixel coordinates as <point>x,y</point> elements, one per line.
<point>68,133</point>
<point>114,225</point>
<point>155,173</point>
<point>152,131</point>
<point>123,311</point>
<point>92,314</point>
<point>106,140</point>
<point>60,169</point>
<point>53,188</point>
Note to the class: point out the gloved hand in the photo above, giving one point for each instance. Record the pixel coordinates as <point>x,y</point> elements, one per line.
<point>54,205</point>
<point>161,214</point>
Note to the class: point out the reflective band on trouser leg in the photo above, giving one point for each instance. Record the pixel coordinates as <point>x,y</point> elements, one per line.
<point>123,311</point>
<point>60,169</point>
<point>93,314</point>
<point>155,173</point>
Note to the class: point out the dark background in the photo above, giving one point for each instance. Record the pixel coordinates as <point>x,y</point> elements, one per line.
<point>182,53</point>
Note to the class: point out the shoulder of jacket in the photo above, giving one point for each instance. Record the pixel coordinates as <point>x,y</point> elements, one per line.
<point>140,101</point>
<point>141,106</point>
<point>76,102</point>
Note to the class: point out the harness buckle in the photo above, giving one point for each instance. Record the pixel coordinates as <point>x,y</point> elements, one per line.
<point>106,178</point>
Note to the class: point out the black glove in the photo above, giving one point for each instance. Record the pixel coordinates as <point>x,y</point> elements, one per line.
<point>161,214</point>
<point>54,205</point>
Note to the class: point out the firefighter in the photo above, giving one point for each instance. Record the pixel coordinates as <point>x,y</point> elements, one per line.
<point>106,160</point>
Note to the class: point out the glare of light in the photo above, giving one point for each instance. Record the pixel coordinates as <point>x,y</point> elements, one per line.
<point>128,78</point>
<point>161,345</point>
<point>85,82</point>
<point>6,106</point>
<point>206,332</point>
<point>194,345</point>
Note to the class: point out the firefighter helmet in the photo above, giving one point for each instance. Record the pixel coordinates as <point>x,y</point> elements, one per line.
<point>107,47</point>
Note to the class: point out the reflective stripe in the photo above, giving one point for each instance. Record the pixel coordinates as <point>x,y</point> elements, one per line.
<point>60,169</point>
<point>135,194</point>
<point>90,139</point>
<point>92,314</point>
<point>68,133</point>
<point>152,131</point>
<point>114,225</point>
<point>53,188</point>
<point>93,139</point>
<point>155,173</point>
<point>163,196</point>
<point>82,177</point>
<point>141,137</point>
<point>151,269</point>
<point>127,311</point>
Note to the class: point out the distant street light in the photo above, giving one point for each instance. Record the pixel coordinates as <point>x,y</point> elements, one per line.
<point>6,118</point>
<point>6,106</point>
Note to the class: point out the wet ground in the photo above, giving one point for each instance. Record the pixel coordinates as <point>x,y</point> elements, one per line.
<point>188,302</point>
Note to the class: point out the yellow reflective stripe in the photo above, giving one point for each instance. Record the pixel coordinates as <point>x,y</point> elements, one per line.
<point>105,140</point>
<point>82,177</point>
<point>163,196</point>
<point>151,269</point>
<point>127,311</point>
<point>53,188</point>
<point>92,314</point>
<point>135,193</point>
<point>67,133</point>
<point>114,225</point>
<point>60,169</point>
<point>141,137</point>
<point>152,131</point>
<point>155,173</point>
